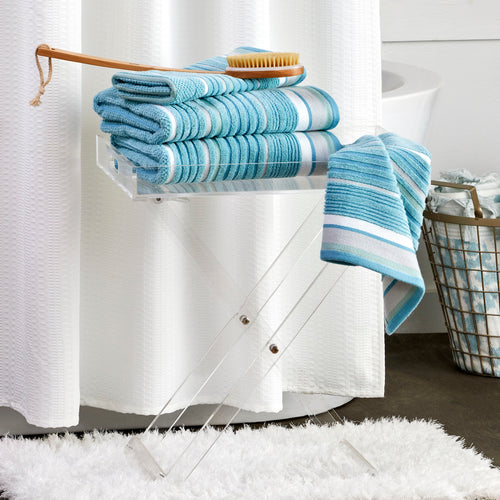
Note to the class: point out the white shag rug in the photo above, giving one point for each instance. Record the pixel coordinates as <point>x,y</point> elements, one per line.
<point>414,460</point>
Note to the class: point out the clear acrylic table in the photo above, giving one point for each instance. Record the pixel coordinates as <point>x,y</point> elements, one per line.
<point>271,340</point>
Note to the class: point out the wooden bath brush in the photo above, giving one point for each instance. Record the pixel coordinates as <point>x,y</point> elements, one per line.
<point>251,65</point>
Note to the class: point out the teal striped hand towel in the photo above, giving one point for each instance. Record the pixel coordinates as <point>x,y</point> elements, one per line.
<point>300,108</point>
<point>230,158</point>
<point>373,213</point>
<point>162,87</point>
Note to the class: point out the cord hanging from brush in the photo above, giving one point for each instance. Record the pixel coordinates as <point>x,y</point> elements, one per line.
<point>245,66</point>
<point>43,83</point>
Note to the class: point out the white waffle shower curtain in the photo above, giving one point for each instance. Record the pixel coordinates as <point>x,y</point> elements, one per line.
<point>98,303</point>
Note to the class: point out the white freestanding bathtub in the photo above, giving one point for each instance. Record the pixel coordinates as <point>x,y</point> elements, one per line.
<point>408,97</point>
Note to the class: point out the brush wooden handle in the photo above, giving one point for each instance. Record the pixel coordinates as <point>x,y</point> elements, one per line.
<point>66,55</point>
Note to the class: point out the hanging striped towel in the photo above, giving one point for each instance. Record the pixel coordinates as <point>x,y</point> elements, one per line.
<point>373,213</point>
<point>172,87</point>
<point>229,158</point>
<point>300,108</point>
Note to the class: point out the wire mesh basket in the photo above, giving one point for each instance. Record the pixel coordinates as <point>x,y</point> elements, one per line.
<point>464,253</point>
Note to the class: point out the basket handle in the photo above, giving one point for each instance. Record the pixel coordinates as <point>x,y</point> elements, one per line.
<point>478,212</point>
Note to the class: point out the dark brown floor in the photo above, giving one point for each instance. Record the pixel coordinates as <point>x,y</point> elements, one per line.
<point>423,382</point>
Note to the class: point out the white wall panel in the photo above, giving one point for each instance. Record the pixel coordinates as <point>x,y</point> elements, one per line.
<point>440,19</point>
<point>464,128</point>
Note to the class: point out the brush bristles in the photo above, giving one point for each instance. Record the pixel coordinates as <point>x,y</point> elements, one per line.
<point>263,60</point>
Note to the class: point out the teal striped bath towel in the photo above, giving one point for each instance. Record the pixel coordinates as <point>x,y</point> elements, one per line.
<point>230,158</point>
<point>162,87</point>
<point>373,213</point>
<point>299,108</point>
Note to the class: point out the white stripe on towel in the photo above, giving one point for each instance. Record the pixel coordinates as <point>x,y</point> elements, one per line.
<point>306,164</point>
<point>302,110</point>
<point>368,227</point>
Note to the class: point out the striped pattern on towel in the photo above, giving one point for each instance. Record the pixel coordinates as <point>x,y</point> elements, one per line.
<point>299,108</point>
<point>229,158</point>
<point>373,213</point>
<point>174,87</point>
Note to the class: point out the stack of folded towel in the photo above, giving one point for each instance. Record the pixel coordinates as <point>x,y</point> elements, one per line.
<point>450,201</point>
<point>186,128</point>
<point>189,127</point>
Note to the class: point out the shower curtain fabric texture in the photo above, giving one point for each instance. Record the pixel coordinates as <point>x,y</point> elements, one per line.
<point>108,309</point>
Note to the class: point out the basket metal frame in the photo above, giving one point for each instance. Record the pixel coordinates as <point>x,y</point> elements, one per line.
<point>450,312</point>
